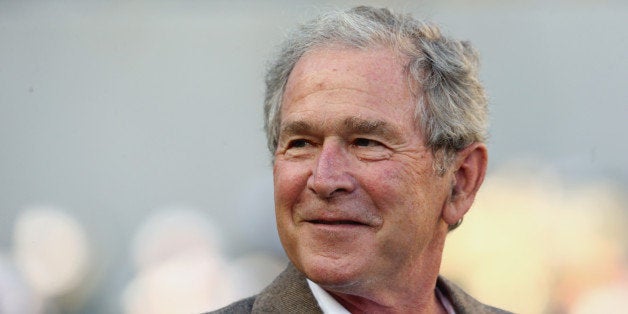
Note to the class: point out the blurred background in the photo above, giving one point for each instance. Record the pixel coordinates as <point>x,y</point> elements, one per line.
<point>134,176</point>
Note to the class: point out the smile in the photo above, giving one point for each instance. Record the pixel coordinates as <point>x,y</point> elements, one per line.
<point>336,222</point>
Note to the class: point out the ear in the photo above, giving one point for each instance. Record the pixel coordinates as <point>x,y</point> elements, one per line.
<point>469,169</point>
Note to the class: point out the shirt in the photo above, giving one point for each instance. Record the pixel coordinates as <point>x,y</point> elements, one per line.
<point>329,305</point>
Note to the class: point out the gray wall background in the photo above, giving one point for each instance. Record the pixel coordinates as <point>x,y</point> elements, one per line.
<point>112,109</point>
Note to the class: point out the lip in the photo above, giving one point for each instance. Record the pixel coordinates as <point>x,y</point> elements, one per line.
<point>337,217</point>
<point>336,225</point>
<point>335,222</point>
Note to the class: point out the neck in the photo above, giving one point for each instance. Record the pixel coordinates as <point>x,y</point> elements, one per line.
<point>412,290</point>
<point>431,306</point>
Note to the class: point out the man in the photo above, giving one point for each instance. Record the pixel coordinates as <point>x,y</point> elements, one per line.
<point>376,123</point>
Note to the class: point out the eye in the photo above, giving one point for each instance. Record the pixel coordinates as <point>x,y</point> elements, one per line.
<point>298,143</point>
<point>364,142</point>
<point>370,150</point>
<point>298,148</point>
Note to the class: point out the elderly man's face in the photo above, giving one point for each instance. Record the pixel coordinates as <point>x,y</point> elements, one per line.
<point>357,199</point>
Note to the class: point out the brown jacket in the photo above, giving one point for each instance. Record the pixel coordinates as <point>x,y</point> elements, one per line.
<point>289,293</point>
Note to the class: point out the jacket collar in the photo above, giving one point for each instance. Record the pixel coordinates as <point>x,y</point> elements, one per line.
<point>289,293</point>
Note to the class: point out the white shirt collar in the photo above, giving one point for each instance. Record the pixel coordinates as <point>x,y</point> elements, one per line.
<point>329,305</point>
<point>444,301</point>
<point>326,302</point>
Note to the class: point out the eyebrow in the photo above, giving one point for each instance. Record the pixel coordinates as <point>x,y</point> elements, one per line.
<point>353,125</point>
<point>296,127</point>
<point>375,127</point>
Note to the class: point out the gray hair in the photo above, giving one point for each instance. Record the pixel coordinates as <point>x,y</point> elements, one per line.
<point>451,110</point>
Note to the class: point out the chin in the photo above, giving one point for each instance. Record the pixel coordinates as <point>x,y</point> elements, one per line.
<point>330,273</point>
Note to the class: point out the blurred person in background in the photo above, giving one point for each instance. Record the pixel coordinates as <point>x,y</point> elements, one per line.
<point>377,125</point>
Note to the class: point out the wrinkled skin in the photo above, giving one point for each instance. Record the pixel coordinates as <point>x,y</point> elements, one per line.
<point>360,209</point>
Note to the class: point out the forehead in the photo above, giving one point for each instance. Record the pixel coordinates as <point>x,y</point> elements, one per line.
<point>376,73</point>
<point>343,82</point>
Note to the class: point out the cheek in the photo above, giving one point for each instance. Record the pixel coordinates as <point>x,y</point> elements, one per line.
<point>394,187</point>
<point>408,197</point>
<point>289,182</point>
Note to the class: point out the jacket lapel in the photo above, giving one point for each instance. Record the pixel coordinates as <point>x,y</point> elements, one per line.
<point>461,301</point>
<point>288,293</point>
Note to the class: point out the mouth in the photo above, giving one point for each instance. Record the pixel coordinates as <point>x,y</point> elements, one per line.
<point>336,222</point>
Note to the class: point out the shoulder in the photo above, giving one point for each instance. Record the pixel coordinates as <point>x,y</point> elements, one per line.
<point>288,293</point>
<point>462,302</point>
<point>242,306</point>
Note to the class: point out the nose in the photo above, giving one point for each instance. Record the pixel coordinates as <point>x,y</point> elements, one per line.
<point>330,176</point>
